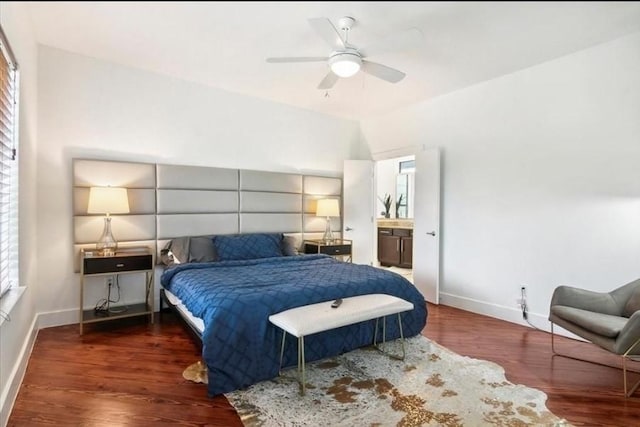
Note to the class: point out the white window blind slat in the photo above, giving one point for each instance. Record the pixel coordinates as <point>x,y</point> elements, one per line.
<point>8,167</point>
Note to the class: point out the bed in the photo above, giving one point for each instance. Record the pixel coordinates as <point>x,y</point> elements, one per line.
<point>228,302</point>
<point>231,298</point>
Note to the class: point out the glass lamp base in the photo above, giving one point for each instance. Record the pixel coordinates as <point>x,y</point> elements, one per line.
<point>328,234</point>
<point>107,245</point>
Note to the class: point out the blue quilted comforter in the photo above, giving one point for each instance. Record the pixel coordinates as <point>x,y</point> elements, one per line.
<point>235,299</point>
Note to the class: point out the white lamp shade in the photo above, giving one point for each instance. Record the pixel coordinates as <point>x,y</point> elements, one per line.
<point>345,64</point>
<point>108,200</point>
<point>328,207</point>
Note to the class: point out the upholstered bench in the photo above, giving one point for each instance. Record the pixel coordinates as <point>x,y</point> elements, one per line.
<point>320,317</point>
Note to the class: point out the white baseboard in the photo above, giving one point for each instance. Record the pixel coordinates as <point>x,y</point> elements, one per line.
<point>509,314</point>
<point>49,319</point>
<point>10,392</point>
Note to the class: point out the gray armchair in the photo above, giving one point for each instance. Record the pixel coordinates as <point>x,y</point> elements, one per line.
<point>609,320</point>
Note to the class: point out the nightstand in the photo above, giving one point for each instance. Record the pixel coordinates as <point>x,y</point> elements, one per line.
<point>125,261</point>
<point>336,248</point>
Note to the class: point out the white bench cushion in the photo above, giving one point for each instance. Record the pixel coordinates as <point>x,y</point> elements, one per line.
<point>314,318</point>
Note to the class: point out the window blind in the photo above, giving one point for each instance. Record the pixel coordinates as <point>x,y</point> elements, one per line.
<point>8,166</point>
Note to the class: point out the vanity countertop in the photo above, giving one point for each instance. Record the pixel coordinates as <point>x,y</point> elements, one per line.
<point>395,223</point>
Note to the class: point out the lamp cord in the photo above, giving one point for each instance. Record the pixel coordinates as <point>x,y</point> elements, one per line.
<point>103,305</point>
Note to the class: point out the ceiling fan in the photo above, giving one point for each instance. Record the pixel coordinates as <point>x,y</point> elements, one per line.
<point>346,59</point>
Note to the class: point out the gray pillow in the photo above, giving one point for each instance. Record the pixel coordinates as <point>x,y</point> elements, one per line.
<point>179,247</point>
<point>289,247</point>
<point>189,249</point>
<point>633,304</point>
<point>201,249</point>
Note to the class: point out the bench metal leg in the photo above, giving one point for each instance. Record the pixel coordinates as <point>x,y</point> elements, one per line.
<point>284,334</point>
<point>384,338</point>
<point>301,364</point>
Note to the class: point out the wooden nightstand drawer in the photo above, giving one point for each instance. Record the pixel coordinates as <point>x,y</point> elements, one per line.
<point>118,263</point>
<point>336,250</point>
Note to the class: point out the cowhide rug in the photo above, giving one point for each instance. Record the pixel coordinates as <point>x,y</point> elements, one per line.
<point>431,387</point>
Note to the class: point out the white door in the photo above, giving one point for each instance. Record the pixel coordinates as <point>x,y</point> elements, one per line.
<point>426,224</point>
<point>358,205</point>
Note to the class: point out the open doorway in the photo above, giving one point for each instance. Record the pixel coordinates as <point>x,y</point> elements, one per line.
<point>395,202</point>
<point>364,213</point>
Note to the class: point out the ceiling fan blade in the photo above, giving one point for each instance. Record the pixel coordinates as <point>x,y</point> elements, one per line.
<point>298,59</point>
<point>329,80</point>
<point>382,71</point>
<point>328,32</point>
<point>403,40</point>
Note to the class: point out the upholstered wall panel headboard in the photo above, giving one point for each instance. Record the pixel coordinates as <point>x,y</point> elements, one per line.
<point>254,201</point>
<point>322,186</point>
<point>127,228</point>
<point>270,181</point>
<point>319,187</point>
<point>89,173</point>
<point>270,223</point>
<point>197,177</point>
<point>141,200</point>
<point>136,228</point>
<point>196,201</point>
<point>168,201</point>
<point>170,226</point>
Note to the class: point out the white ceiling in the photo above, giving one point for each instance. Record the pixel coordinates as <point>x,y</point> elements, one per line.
<point>224,44</point>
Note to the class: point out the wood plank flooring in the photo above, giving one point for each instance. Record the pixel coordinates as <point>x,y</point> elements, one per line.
<point>130,373</point>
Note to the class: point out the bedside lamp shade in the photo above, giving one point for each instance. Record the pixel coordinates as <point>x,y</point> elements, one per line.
<point>328,208</point>
<point>108,200</point>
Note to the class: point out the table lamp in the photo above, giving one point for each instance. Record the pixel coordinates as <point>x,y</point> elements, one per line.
<point>328,208</point>
<point>108,200</point>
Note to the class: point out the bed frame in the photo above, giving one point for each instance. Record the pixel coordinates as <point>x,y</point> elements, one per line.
<point>195,333</point>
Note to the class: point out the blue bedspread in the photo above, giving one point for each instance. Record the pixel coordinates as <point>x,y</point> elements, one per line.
<point>235,299</point>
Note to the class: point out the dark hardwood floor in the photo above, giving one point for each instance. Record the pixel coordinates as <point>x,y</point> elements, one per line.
<point>130,373</point>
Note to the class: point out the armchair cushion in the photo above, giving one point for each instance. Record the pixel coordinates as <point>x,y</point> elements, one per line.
<point>633,304</point>
<point>584,299</point>
<point>598,323</point>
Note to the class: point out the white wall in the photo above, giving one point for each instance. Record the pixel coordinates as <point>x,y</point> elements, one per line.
<point>15,335</point>
<point>94,109</point>
<point>541,184</point>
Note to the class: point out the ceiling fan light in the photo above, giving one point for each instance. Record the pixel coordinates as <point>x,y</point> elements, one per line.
<point>345,64</point>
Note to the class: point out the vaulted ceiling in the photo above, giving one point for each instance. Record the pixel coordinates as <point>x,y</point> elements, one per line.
<point>224,44</point>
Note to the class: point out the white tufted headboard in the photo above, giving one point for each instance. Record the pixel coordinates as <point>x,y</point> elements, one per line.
<point>168,201</point>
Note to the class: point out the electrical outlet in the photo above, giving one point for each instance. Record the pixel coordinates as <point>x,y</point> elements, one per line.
<point>522,301</point>
<point>109,281</point>
<point>523,296</point>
